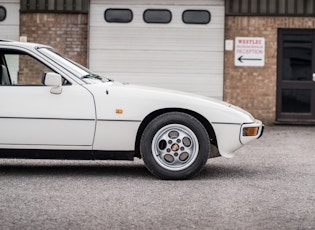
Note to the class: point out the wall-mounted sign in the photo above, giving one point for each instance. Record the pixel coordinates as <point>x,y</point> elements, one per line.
<point>249,51</point>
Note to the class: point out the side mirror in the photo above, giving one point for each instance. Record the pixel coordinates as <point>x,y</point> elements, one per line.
<point>54,80</point>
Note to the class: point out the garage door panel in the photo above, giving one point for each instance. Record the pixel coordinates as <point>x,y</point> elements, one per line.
<point>161,55</point>
<point>161,2</point>
<point>97,16</point>
<point>151,39</point>
<point>9,32</point>
<point>9,28</point>
<point>12,9</point>
<point>205,84</point>
<point>156,61</point>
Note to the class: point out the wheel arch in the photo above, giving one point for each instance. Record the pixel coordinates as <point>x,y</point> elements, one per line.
<point>156,113</point>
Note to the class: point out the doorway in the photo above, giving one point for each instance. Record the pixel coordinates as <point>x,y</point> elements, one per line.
<point>296,76</point>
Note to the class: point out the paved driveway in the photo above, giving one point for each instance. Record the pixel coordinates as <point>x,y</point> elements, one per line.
<point>269,185</point>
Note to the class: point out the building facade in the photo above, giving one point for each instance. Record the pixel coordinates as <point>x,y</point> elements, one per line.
<point>283,89</point>
<point>256,54</point>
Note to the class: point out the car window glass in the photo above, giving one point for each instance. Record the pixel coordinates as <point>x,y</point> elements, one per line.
<point>22,69</point>
<point>85,74</point>
<point>75,67</point>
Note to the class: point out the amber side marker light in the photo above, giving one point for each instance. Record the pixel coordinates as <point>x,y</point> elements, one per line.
<point>119,111</point>
<point>250,131</point>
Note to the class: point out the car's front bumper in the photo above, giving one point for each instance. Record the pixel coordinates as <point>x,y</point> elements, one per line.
<point>230,136</point>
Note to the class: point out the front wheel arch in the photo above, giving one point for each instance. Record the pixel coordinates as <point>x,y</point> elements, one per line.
<point>157,113</point>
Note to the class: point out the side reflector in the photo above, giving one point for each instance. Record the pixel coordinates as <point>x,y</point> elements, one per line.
<point>250,131</point>
<point>119,111</point>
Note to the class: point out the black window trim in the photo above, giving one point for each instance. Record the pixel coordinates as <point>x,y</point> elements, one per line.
<point>127,9</point>
<point>167,10</point>
<point>5,13</point>
<point>196,10</point>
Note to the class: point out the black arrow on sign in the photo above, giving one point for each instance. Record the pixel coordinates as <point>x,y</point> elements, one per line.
<point>241,59</point>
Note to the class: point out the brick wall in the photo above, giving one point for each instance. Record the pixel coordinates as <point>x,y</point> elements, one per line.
<point>67,33</point>
<point>254,88</point>
<point>30,71</point>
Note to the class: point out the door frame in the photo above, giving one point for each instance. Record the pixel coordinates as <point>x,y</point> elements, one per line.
<point>294,118</point>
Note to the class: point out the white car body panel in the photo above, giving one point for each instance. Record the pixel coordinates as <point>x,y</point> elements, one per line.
<point>103,116</point>
<point>115,135</point>
<point>147,99</point>
<point>225,119</point>
<point>50,121</point>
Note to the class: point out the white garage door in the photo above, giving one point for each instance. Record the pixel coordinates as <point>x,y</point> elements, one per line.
<point>168,53</point>
<point>9,19</point>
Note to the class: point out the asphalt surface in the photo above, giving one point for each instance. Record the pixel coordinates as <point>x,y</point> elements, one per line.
<point>269,185</point>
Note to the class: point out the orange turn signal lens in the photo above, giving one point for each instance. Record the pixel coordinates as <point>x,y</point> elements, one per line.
<point>119,111</point>
<point>250,131</point>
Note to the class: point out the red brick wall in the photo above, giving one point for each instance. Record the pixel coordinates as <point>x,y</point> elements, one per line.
<point>67,33</point>
<point>254,88</point>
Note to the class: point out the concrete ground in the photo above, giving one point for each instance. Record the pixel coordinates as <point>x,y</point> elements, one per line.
<point>270,184</point>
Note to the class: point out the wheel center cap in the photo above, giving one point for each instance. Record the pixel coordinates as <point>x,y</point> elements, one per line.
<point>175,147</point>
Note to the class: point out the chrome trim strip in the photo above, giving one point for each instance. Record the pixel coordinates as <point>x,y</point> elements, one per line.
<point>113,120</point>
<point>225,123</point>
<point>11,144</point>
<point>48,118</point>
<point>68,119</point>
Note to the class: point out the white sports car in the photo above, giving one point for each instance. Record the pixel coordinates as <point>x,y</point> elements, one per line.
<point>53,108</point>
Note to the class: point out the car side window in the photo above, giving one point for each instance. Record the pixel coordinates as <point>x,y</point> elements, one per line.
<point>24,69</point>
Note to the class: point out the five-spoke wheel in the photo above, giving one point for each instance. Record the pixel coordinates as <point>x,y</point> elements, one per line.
<point>175,145</point>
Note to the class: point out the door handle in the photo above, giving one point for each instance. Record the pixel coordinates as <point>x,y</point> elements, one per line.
<point>314,77</point>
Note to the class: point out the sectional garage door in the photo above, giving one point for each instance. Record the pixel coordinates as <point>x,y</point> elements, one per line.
<point>170,44</point>
<point>9,19</point>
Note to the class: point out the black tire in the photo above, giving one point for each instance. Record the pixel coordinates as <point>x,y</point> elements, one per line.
<point>175,146</point>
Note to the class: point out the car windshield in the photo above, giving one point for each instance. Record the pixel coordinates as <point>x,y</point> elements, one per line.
<point>85,74</point>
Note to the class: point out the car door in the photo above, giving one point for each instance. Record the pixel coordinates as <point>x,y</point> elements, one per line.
<point>31,116</point>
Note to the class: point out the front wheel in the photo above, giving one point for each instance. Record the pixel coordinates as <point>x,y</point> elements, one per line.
<point>175,145</point>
